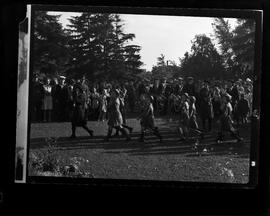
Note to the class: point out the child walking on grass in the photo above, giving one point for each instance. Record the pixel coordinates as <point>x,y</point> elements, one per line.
<point>147,116</point>
<point>226,123</point>
<point>184,118</point>
<point>193,125</point>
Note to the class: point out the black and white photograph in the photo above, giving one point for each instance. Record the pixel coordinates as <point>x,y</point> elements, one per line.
<point>141,96</point>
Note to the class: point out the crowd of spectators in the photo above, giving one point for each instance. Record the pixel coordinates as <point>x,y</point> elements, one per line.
<point>51,98</point>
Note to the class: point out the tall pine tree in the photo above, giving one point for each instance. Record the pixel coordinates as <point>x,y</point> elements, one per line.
<point>203,62</point>
<point>224,35</point>
<point>243,45</point>
<point>50,50</point>
<point>100,48</point>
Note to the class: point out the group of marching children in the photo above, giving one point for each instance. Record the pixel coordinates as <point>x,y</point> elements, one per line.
<point>224,105</point>
<point>222,101</point>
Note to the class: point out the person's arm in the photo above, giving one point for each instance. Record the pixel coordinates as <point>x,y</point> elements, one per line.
<point>124,92</point>
<point>187,110</point>
<point>247,106</point>
<point>192,112</point>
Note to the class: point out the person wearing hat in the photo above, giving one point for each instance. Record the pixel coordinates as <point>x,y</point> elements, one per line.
<point>216,102</point>
<point>226,123</point>
<point>38,94</point>
<point>162,86</point>
<point>205,106</point>
<point>47,105</point>
<point>115,119</point>
<point>60,96</point>
<point>189,87</point>
<point>177,89</point>
<point>146,117</point>
<point>64,96</point>
<point>79,118</point>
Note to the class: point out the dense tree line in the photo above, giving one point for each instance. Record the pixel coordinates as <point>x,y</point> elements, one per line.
<point>232,58</point>
<point>93,45</point>
<point>49,47</point>
<point>96,45</point>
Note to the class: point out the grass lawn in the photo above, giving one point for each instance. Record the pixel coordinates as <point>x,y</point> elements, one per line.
<point>152,160</point>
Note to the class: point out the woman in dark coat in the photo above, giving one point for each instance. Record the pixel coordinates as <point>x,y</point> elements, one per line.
<point>38,94</point>
<point>79,118</point>
<point>206,107</point>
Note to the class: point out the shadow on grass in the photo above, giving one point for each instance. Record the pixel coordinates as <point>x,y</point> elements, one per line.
<point>151,146</point>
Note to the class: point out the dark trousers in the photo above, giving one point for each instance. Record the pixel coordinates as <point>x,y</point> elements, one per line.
<point>37,112</point>
<point>73,129</point>
<point>209,123</point>
<point>131,104</point>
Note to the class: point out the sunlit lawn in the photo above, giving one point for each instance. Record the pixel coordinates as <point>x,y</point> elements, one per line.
<point>170,160</point>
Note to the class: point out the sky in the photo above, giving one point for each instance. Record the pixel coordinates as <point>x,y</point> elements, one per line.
<point>156,34</point>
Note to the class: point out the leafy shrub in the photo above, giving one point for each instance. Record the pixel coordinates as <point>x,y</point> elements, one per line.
<point>48,162</point>
<point>45,160</point>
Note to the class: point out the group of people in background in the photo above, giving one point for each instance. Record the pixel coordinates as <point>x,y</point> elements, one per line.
<point>227,102</point>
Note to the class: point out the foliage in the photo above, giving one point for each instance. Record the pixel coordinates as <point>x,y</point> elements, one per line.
<point>161,60</point>
<point>224,35</point>
<point>45,160</point>
<point>203,61</point>
<point>243,44</point>
<point>50,51</point>
<point>48,162</point>
<point>237,46</point>
<point>96,45</point>
<point>164,69</point>
<point>100,47</point>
